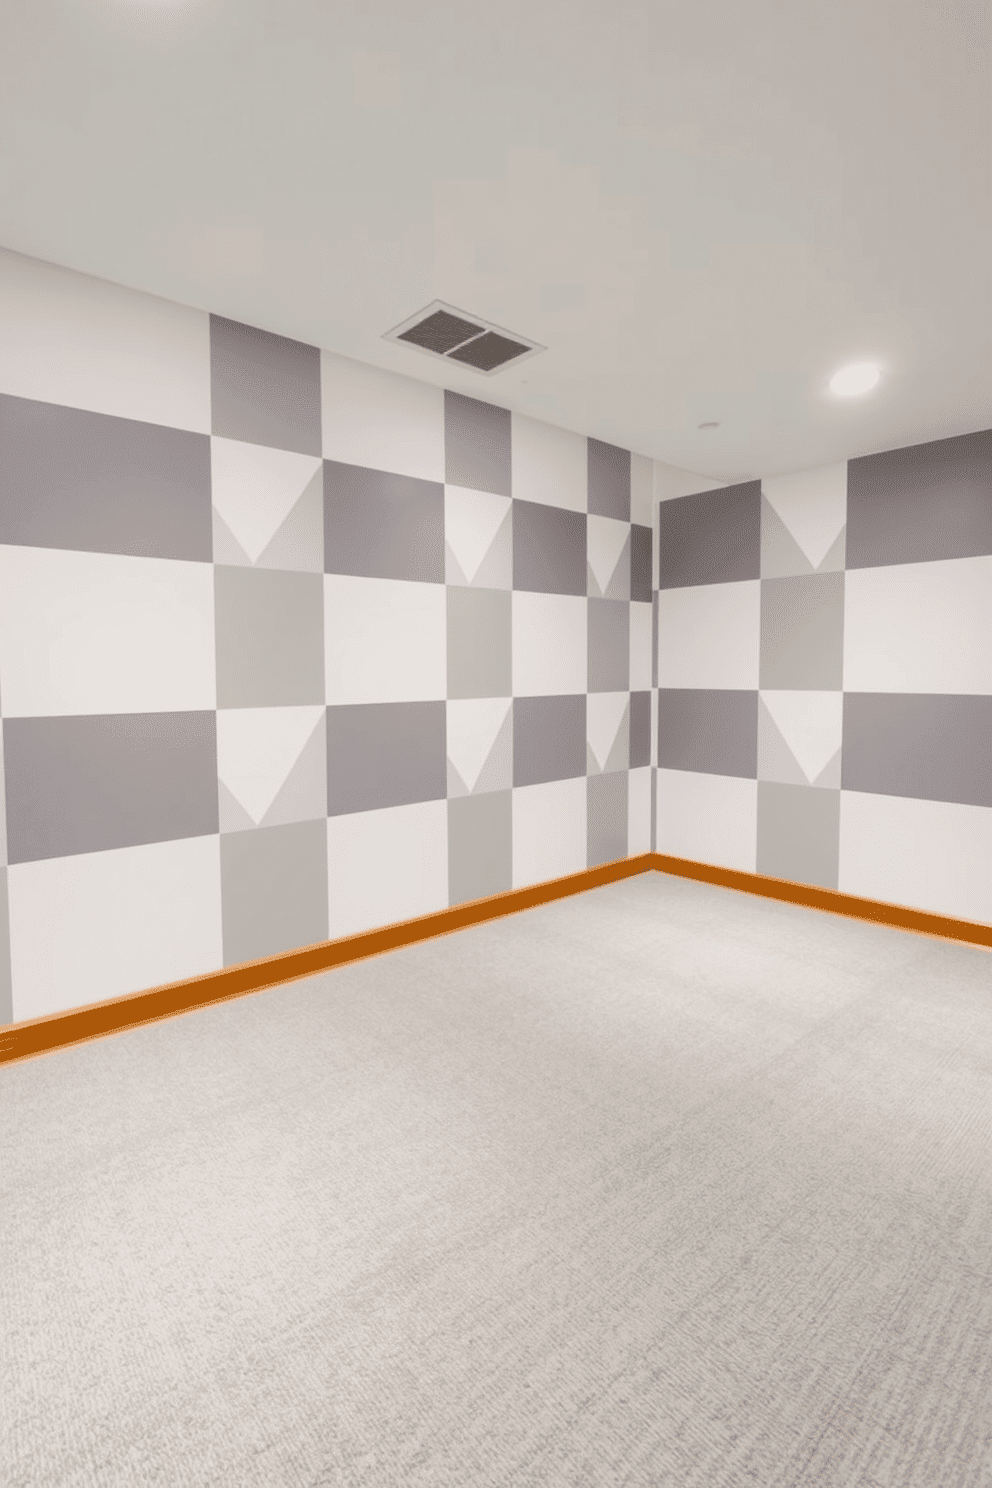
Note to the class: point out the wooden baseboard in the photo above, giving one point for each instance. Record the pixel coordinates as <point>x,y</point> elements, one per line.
<point>41,1035</point>
<point>919,920</point>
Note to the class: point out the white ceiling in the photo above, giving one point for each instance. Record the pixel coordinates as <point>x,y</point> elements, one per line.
<point>701,208</point>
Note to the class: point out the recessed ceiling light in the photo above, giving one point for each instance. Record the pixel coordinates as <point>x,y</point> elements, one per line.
<point>710,424</point>
<point>860,377</point>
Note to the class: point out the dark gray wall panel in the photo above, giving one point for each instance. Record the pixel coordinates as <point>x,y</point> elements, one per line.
<point>549,549</point>
<point>713,537</point>
<point>477,444</point>
<point>89,783</point>
<point>549,738</point>
<point>919,504</point>
<point>714,732</point>
<point>933,746</point>
<point>381,526</point>
<point>264,389</point>
<point>94,483</point>
<point>385,754</point>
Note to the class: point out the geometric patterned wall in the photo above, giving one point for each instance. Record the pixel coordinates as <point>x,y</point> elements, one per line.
<point>823,654</point>
<point>290,647</point>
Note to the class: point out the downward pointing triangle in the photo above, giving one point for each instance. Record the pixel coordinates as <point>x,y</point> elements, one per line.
<point>456,785</point>
<point>227,549</point>
<point>496,569</point>
<point>497,772</point>
<point>233,816</point>
<point>299,543</point>
<point>830,775</point>
<point>776,760</point>
<point>303,795</point>
<point>781,555</point>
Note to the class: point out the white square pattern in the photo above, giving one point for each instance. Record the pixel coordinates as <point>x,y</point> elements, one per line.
<point>919,627</point>
<point>385,640</point>
<point>550,644</point>
<point>550,465</point>
<point>639,811</point>
<point>549,831</point>
<point>102,633</point>
<point>99,925</point>
<point>380,419</point>
<point>72,339</point>
<point>708,818</point>
<point>386,866</point>
<point>709,635</point>
<point>930,855</point>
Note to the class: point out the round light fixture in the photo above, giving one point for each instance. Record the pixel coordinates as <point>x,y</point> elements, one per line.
<point>710,424</point>
<point>860,377</point>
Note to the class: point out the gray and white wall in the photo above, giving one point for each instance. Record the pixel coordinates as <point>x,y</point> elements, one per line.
<point>823,657</point>
<point>292,647</point>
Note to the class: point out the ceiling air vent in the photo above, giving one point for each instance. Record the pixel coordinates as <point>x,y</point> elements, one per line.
<point>446,332</point>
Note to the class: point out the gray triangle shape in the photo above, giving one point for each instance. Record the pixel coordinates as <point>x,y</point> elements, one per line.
<point>619,585</point>
<point>829,776</point>
<point>452,568</point>
<point>592,583</point>
<point>456,785</point>
<point>619,755</point>
<point>303,794</point>
<point>299,543</point>
<point>497,772</point>
<point>496,569</point>
<point>776,760</point>
<point>227,549</point>
<point>233,816</point>
<point>781,555</point>
<point>592,763</point>
<point>834,559</point>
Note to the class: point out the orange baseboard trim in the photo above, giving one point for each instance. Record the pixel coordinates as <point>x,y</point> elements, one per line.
<point>41,1035</point>
<point>921,921</point>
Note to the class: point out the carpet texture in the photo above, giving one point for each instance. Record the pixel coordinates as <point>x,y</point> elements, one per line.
<point>657,1185</point>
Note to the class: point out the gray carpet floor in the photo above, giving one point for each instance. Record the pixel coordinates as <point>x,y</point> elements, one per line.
<point>657,1185</point>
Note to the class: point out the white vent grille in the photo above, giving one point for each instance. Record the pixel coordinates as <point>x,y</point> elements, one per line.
<point>442,331</point>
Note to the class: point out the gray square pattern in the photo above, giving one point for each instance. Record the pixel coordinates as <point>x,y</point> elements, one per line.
<point>606,817</point>
<point>921,504</point>
<point>382,526</point>
<point>264,389</point>
<point>609,480</point>
<point>713,732</point>
<point>273,890</point>
<point>480,659</point>
<point>480,846</point>
<point>933,746</point>
<point>798,833</point>
<point>89,482</point>
<point>549,549</point>
<point>76,481</point>
<point>802,632</point>
<point>385,754</point>
<point>477,444</point>
<point>640,729</point>
<point>711,538</point>
<point>87,784</point>
<point>609,645</point>
<point>549,739</point>
<point>269,636</point>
